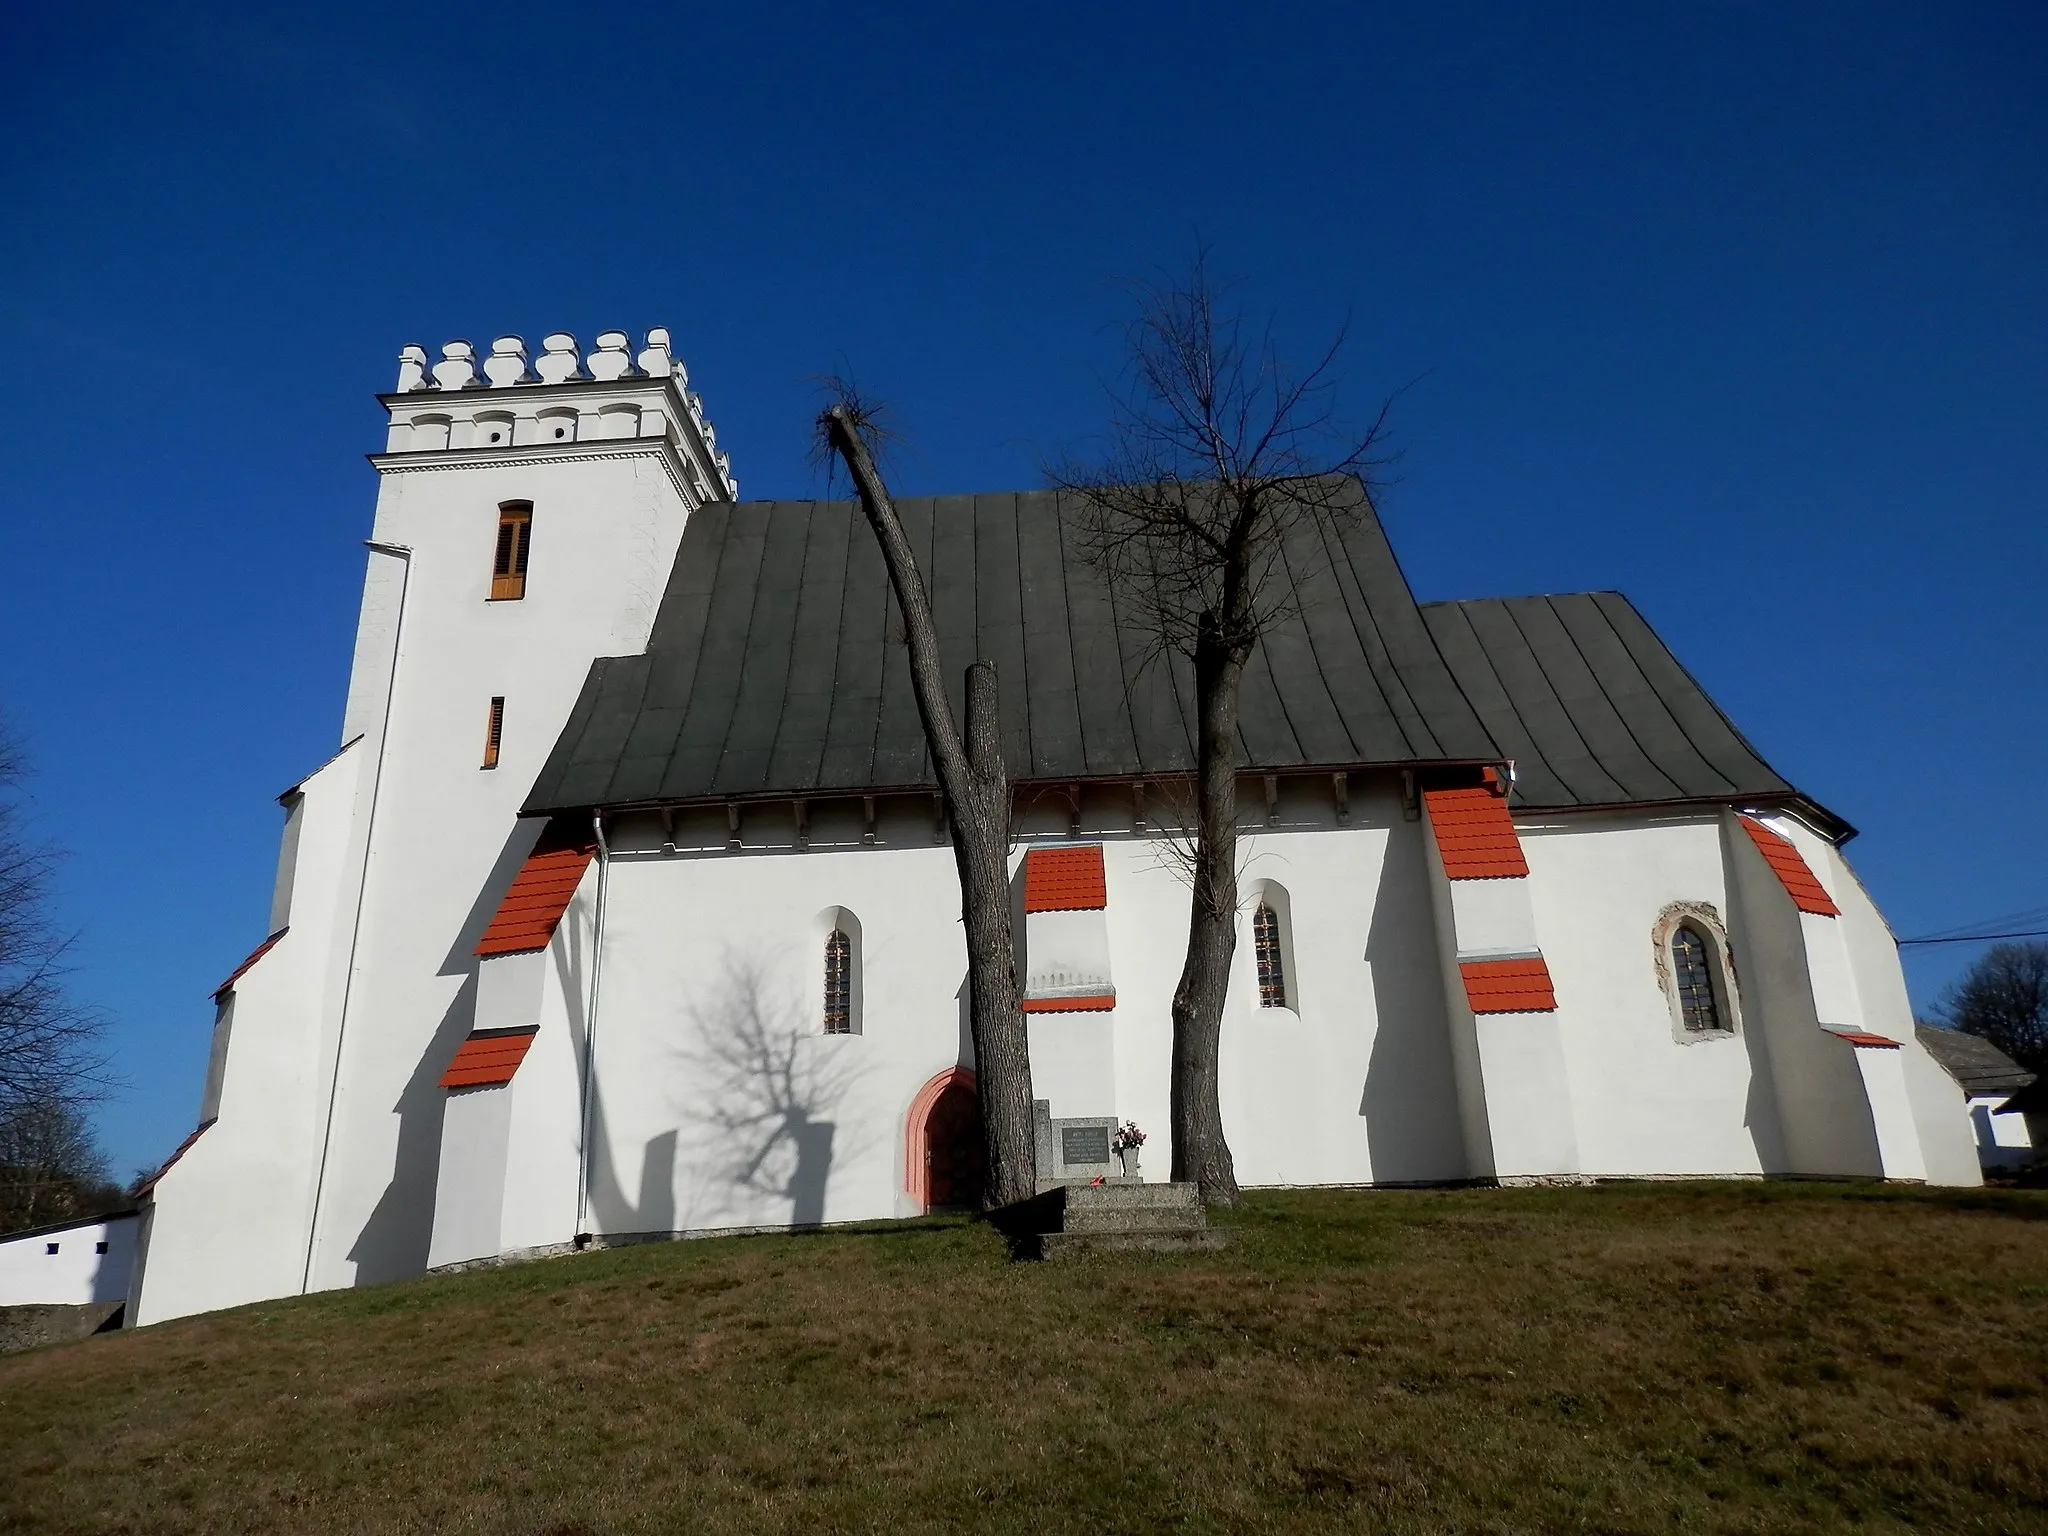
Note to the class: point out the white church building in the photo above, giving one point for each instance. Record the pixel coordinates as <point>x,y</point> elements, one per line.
<point>625,910</point>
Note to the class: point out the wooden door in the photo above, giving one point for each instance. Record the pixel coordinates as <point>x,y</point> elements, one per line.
<point>954,1155</point>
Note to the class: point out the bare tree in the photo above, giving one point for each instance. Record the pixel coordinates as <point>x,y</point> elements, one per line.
<point>2003,998</point>
<point>49,1042</point>
<point>1216,453</point>
<point>977,799</point>
<point>50,1167</point>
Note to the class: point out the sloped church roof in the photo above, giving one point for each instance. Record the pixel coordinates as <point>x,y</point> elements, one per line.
<point>776,667</point>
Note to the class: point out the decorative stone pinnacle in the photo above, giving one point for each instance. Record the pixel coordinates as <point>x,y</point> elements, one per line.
<point>457,368</point>
<point>506,365</point>
<point>412,368</point>
<point>559,363</point>
<point>611,360</point>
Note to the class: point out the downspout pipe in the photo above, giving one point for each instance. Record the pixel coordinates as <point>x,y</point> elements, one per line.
<point>348,986</point>
<point>604,862</point>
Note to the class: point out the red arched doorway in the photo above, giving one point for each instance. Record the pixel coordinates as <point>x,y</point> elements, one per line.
<point>943,1154</point>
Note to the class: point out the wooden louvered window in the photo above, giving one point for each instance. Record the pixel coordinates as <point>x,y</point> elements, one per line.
<point>1692,974</point>
<point>494,732</point>
<point>838,984</point>
<point>1266,947</point>
<point>508,565</point>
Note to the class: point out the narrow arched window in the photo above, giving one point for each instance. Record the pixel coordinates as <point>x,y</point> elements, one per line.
<point>838,984</point>
<point>1692,975</point>
<point>1266,946</point>
<point>508,561</point>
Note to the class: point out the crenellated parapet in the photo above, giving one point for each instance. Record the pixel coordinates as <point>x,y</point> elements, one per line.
<point>507,399</point>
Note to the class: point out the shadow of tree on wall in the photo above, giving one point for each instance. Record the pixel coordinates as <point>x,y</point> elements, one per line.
<point>1410,1099</point>
<point>395,1237</point>
<point>768,1085</point>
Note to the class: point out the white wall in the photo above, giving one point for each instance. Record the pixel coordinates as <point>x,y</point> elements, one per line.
<point>470,1188</point>
<point>1644,1102</point>
<point>1824,1119</point>
<point>77,1273</point>
<point>1943,1126</point>
<point>365,1000</point>
<point>719,1102</point>
<point>229,1218</point>
<point>446,841</point>
<point>1352,1083</point>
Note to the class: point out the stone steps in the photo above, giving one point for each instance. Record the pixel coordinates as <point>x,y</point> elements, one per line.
<point>1081,1220</point>
<point>1083,1245</point>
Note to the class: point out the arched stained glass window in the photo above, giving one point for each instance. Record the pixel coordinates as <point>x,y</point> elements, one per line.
<point>838,984</point>
<point>1266,946</point>
<point>1692,974</point>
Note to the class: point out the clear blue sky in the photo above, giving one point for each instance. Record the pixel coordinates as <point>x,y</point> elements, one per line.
<point>1740,309</point>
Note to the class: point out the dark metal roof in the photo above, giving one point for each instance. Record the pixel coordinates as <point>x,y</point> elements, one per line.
<point>1976,1064</point>
<point>1592,707</point>
<point>777,666</point>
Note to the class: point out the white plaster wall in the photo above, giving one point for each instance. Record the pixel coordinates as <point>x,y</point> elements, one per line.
<point>1943,1125</point>
<point>1644,1103</point>
<point>508,990</point>
<point>1493,917</point>
<point>719,1103</point>
<point>2003,1140</point>
<point>230,1218</point>
<point>1467,1064</point>
<point>1353,1083</point>
<point>1529,1096</point>
<point>1073,1062</point>
<point>1891,1112</point>
<point>75,1275</point>
<point>1066,954</point>
<point>446,842</point>
<point>541,1160</point>
<point>1824,1122</point>
<point>470,1186</point>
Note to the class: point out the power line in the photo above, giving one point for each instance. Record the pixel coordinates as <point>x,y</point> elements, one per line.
<point>1975,938</point>
<point>2004,919</point>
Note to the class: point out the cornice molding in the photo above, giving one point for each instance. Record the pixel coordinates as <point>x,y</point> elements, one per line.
<point>525,398</point>
<point>518,454</point>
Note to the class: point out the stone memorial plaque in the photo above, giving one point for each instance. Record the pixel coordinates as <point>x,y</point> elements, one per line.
<point>1086,1144</point>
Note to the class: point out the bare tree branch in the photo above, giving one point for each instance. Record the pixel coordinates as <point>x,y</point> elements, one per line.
<point>1218,456</point>
<point>977,797</point>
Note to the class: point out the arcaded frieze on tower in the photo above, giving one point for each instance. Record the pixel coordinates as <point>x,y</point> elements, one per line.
<point>510,399</point>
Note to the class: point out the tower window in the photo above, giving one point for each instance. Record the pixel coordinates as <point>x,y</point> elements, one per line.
<point>1266,946</point>
<point>1692,977</point>
<point>838,983</point>
<point>494,732</point>
<point>508,566</point>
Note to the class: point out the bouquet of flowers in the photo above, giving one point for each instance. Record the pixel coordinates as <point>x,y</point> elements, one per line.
<point>1127,1138</point>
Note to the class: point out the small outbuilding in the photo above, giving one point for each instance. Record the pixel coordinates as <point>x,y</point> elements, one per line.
<point>74,1263</point>
<point>1989,1079</point>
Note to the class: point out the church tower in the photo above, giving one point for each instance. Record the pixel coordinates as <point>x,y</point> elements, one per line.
<point>528,512</point>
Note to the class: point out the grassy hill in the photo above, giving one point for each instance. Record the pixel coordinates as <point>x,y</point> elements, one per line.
<point>1698,1357</point>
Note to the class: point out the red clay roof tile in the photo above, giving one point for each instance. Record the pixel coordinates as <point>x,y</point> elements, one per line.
<point>1508,986</point>
<point>1101,1004</point>
<point>487,1059</point>
<point>1807,893</point>
<point>1064,879</point>
<point>170,1162</point>
<point>243,969</point>
<point>539,895</point>
<point>1867,1041</point>
<point>1475,834</point>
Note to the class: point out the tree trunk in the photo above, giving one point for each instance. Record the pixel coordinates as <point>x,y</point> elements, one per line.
<point>1200,1151</point>
<point>977,796</point>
